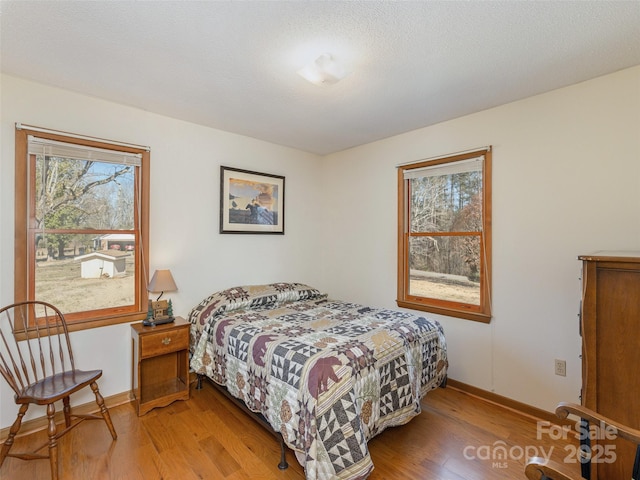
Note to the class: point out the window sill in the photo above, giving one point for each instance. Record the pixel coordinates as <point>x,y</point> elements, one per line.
<point>449,312</point>
<point>78,325</point>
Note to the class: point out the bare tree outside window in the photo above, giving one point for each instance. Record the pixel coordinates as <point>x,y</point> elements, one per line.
<point>74,197</point>
<point>445,266</point>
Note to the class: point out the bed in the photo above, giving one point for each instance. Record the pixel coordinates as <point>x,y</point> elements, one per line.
<point>328,375</point>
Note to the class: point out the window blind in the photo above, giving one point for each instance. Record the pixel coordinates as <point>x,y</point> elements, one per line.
<point>53,148</point>
<point>462,166</point>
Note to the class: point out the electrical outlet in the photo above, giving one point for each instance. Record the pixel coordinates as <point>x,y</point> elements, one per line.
<point>561,367</point>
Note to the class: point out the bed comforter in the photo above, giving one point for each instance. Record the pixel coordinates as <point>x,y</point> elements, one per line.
<point>328,375</point>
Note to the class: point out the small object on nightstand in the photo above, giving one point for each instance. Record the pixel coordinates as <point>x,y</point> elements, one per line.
<point>152,322</point>
<point>159,313</point>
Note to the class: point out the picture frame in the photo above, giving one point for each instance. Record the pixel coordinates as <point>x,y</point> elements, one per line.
<point>251,202</point>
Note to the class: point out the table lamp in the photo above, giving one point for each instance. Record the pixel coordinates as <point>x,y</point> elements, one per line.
<point>160,311</point>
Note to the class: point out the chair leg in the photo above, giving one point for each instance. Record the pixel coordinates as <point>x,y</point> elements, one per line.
<point>6,446</point>
<point>67,411</point>
<point>104,410</point>
<point>53,441</point>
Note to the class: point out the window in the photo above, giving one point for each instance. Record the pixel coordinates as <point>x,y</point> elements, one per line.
<point>444,235</point>
<point>81,220</point>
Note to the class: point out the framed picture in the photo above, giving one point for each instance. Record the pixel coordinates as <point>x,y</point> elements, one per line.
<point>251,202</point>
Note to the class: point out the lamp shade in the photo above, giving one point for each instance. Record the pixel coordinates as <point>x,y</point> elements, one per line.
<point>162,281</point>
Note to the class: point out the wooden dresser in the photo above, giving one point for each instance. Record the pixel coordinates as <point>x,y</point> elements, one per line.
<point>610,326</point>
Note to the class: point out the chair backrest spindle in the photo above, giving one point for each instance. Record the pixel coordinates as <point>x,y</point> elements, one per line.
<point>6,369</point>
<point>19,314</point>
<point>52,361</point>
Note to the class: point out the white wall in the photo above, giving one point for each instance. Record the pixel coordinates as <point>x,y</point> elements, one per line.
<point>184,222</point>
<point>566,181</point>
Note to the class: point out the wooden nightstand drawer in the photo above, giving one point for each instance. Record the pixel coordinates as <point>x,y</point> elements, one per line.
<point>164,342</point>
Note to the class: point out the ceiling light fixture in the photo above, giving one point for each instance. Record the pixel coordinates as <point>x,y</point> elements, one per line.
<point>324,70</point>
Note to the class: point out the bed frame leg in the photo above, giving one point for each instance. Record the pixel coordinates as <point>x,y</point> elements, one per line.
<point>199,381</point>
<point>443,383</point>
<point>283,465</point>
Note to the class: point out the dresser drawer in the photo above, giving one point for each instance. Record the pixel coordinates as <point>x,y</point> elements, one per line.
<point>164,342</point>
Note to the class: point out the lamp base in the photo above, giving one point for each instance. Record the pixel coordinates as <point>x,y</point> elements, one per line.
<point>152,322</point>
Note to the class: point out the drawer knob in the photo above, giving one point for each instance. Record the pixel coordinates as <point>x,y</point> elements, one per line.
<point>166,341</point>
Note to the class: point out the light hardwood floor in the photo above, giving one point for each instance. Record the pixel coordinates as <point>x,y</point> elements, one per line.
<point>207,437</point>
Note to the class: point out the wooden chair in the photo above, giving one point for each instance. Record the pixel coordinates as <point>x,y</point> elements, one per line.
<point>42,371</point>
<point>541,469</point>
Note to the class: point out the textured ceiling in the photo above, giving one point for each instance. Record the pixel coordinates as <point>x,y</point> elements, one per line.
<point>232,65</point>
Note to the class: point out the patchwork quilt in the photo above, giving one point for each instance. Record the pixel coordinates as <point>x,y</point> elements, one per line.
<point>328,375</point>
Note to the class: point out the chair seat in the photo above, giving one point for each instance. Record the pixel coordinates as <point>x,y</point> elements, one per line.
<point>57,386</point>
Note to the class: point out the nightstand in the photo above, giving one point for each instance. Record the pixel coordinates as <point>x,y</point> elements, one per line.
<point>160,367</point>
